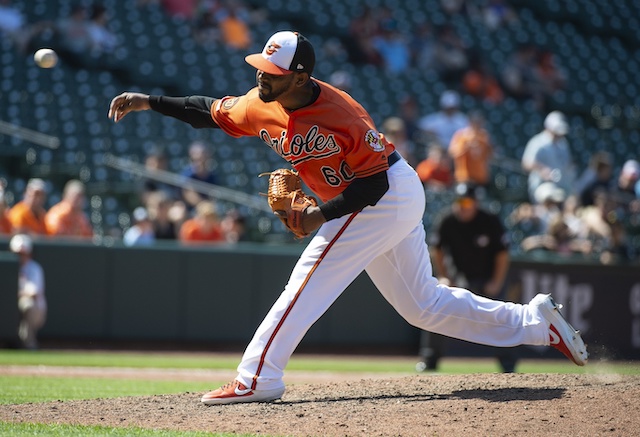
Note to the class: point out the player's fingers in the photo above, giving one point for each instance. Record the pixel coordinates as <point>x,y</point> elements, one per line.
<point>120,106</point>
<point>114,105</point>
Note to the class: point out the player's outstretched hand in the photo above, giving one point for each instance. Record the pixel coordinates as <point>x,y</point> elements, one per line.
<point>127,102</point>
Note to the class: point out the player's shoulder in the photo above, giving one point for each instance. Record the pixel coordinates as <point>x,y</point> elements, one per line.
<point>18,209</point>
<point>427,121</point>
<point>189,228</point>
<point>59,208</point>
<point>252,94</point>
<point>230,102</point>
<point>448,220</point>
<point>462,133</point>
<point>337,97</point>
<point>539,139</point>
<point>34,266</point>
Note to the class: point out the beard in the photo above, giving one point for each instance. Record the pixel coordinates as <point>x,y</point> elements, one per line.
<point>269,92</point>
<point>267,97</point>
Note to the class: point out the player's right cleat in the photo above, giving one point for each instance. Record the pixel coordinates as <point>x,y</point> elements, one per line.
<point>236,392</point>
<point>562,335</point>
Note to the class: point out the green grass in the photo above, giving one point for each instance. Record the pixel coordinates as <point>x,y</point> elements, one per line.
<point>194,361</point>
<point>117,359</point>
<point>22,389</point>
<point>366,364</point>
<point>35,429</point>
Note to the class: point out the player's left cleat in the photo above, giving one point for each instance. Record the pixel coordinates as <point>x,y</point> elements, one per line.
<point>562,335</point>
<point>236,392</point>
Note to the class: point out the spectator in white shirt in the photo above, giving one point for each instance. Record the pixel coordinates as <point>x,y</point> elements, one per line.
<point>547,157</point>
<point>440,126</point>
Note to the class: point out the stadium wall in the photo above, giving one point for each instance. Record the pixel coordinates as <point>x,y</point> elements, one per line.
<point>217,296</point>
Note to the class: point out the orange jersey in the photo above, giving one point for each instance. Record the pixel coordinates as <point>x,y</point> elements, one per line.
<point>430,171</point>
<point>330,142</point>
<point>25,220</point>
<point>191,231</point>
<point>61,219</point>
<point>471,151</point>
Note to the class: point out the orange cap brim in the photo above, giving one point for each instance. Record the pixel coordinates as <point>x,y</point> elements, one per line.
<point>260,63</point>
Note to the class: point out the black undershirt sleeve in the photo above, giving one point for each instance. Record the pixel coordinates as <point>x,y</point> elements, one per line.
<point>360,193</point>
<point>195,110</point>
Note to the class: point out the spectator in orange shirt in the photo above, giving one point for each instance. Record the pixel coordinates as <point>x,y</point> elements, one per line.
<point>204,227</point>
<point>235,31</point>
<point>435,170</point>
<point>27,216</point>
<point>5,224</point>
<point>67,218</point>
<point>471,151</point>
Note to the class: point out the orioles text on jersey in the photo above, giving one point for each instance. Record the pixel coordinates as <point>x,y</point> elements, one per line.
<point>312,145</point>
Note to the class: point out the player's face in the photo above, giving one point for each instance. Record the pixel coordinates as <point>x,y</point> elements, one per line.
<point>271,87</point>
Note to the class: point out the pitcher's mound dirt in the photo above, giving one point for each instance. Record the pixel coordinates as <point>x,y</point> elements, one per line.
<point>422,405</point>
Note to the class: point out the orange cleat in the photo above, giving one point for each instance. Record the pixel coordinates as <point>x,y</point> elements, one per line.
<point>236,392</point>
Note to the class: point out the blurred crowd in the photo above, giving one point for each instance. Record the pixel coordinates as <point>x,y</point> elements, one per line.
<point>226,22</point>
<point>164,212</point>
<point>533,72</point>
<point>591,212</point>
<point>85,39</point>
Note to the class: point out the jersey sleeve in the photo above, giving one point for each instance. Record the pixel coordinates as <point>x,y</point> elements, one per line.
<point>230,113</point>
<point>368,154</point>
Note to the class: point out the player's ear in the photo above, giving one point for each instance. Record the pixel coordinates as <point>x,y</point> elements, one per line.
<point>301,79</point>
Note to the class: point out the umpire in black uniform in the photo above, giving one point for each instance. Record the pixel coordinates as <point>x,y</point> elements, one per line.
<point>469,250</point>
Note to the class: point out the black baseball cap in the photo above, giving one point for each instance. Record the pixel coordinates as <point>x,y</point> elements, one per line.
<point>285,52</point>
<point>465,190</point>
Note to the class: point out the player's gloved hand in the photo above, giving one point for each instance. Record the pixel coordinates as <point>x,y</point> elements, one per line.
<point>127,102</point>
<point>290,203</point>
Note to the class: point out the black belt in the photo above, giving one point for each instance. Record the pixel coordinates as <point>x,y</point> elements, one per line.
<point>394,157</point>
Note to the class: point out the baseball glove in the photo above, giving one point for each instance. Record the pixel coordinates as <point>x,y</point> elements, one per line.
<point>287,200</point>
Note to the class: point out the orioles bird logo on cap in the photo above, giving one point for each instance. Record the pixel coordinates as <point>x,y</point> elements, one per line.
<point>272,48</point>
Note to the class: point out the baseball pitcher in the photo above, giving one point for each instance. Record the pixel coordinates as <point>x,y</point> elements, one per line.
<point>368,217</point>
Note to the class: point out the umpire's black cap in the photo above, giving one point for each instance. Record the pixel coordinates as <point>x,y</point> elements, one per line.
<point>465,190</point>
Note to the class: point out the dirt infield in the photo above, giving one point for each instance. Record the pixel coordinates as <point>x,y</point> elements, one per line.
<point>421,405</point>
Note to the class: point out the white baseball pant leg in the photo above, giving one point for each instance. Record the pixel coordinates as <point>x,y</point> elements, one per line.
<point>30,323</point>
<point>388,240</point>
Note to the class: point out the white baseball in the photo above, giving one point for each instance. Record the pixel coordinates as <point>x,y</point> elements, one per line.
<point>46,58</point>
